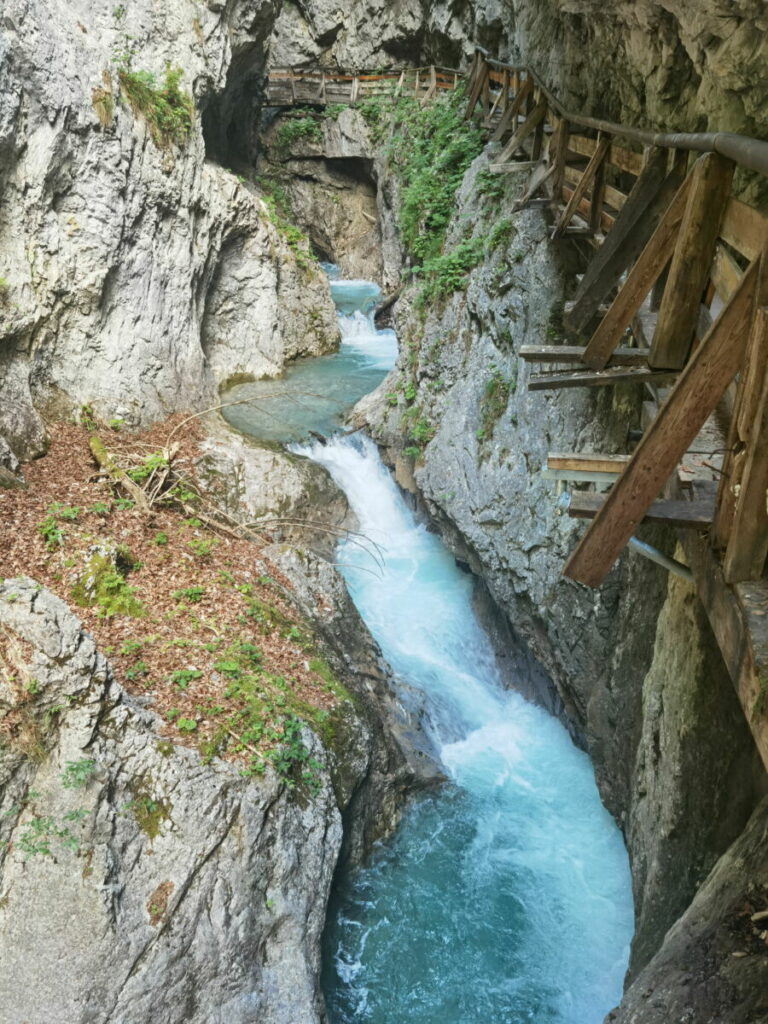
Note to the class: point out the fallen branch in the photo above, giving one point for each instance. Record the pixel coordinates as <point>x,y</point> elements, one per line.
<point>116,474</point>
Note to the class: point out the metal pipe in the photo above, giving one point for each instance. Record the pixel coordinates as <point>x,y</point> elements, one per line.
<point>652,553</point>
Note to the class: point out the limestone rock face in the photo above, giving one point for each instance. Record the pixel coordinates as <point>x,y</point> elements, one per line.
<point>329,180</point>
<point>193,895</point>
<point>139,276</point>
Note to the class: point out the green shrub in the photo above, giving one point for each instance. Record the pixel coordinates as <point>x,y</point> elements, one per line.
<point>166,109</point>
<point>300,125</point>
<point>434,148</point>
<point>192,594</point>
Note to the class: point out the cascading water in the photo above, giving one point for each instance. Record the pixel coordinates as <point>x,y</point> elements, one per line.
<point>505,897</point>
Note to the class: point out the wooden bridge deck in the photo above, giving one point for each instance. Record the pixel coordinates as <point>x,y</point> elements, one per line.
<point>674,297</point>
<point>289,87</point>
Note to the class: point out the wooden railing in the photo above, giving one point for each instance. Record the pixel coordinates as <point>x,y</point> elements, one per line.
<point>288,87</point>
<point>678,267</point>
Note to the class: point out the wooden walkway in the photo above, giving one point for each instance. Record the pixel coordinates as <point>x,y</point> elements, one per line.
<point>290,87</point>
<point>674,298</point>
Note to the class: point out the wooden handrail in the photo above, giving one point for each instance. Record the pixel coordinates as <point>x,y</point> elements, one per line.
<point>743,150</point>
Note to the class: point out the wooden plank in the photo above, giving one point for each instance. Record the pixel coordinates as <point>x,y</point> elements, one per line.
<point>711,179</point>
<point>726,273</point>
<point>737,615</point>
<point>651,195</point>
<point>530,124</point>
<point>742,517</point>
<point>748,542</point>
<point>606,220</point>
<point>647,268</point>
<point>697,391</point>
<point>509,118</point>
<point>695,515</point>
<point>513,165</point>
<point>614,198</point>
<point>744,228</point>
<point>623,159</point>
<point>580,191</point>
<point>575,354</point>
<point>587,461</point>
<point>598,378</point>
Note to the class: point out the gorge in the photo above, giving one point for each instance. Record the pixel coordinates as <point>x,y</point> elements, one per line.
<point>183,777</point>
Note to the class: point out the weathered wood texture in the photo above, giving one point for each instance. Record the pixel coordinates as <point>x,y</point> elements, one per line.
<point>646,269</point>
<point>692,399</point>
<point>695,515</point>
<point>710,184</point>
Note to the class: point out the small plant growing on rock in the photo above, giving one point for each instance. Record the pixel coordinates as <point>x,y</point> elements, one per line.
<point>77,773</point>
<point>166,109</point>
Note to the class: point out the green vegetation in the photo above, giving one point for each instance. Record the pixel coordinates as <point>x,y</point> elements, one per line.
<point>192,594</point>
<point>304,125</point>
<point>77,773</point>
<point>494,402</point>
<point>166,109</point>
<point>148,466</point>
<point>278,205</point>
<point>434,148</point>
<point>102,585</point>
<point>41,834</point>
<point>446,273</point>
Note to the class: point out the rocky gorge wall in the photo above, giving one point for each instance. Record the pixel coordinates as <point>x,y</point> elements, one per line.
<point>137,275</point>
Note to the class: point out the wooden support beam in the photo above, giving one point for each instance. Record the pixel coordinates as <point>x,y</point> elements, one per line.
<point>558,151</point>
<point>538,133</point>
<point>711,179</point>
<point>509,118</point>
<point>651,195</point>
<point>697,391</point>
<point>529,125</point>
<point>587,462</point>
<point>695,515</point>
<point>580,191</point>
<point>598,378</point>
<point>478,77</point>
<point>647,268</point>
<point>575,354</point>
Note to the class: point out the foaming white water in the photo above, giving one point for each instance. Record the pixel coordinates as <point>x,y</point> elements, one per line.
<point>508,898</point>
<point>359,334</point>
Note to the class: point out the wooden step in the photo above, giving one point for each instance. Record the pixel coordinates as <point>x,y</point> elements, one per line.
<point>696,515</point>
<point>575,354</point>
<point>598,378</point>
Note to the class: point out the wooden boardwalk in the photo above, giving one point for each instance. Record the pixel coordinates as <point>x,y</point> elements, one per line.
<point>289,87</point>
<point>674,298</point>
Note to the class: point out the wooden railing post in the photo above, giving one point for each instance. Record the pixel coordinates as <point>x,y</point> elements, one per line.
<point>558,153</point>
<point>688,273</point>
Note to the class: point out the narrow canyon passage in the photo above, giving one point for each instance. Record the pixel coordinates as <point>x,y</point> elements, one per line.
<point>506,895</point>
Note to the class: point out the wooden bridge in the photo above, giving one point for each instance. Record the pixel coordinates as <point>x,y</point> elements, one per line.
<point>674,297</point>
<point>289,87</point>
